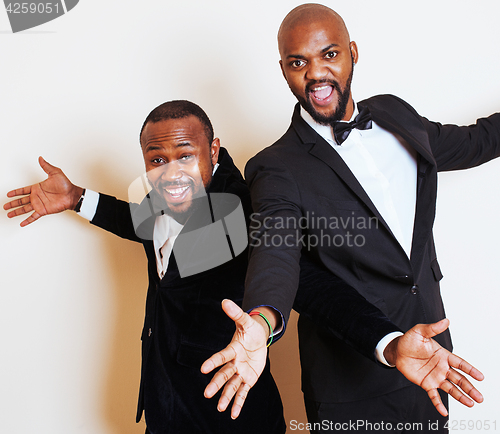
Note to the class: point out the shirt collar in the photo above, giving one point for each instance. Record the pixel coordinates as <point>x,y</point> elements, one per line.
<point>324,131</point>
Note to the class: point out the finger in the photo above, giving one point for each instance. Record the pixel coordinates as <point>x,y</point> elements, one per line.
<point>239,400</point>
<point>219,379</point>
<point>229,391</point>
<point>459,363</point>
<point>431,330</point>
<point>19,192</point>
<point>218,359</point>
<point>16,203</point>
<point>436,400</point>
<point>20,211</point>
<point>33,217</point>
<point>466,386</point>
<point>235,312</point>
<point>456,393</point>
<point>47,168</point>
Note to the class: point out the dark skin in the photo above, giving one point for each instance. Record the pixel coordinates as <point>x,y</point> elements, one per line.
<point>316,60</point>
<point>179,161</point>
<point>176,152</point>
<point>317,55</point>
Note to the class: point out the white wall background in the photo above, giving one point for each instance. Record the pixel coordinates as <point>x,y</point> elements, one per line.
<point>76,90</point>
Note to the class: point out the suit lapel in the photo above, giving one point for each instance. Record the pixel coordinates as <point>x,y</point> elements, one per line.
<point>406,126</point>
<point>322,150</point>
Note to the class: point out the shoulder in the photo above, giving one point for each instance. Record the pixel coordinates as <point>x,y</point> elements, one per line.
<point>387,102</point>
<point>285,152</point>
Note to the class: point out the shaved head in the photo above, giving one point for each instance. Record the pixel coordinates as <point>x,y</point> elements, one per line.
<point>308,14</point>
<point>317,61</point>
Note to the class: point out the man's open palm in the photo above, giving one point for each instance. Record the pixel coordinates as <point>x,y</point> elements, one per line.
<point>242,361</point>
<point>55,194</point>
<point>426,363</point>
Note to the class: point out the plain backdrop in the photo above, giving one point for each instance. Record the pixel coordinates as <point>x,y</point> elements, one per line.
<point>76,91</point>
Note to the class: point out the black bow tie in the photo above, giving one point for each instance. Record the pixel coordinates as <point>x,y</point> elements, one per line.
<point>363,121</point>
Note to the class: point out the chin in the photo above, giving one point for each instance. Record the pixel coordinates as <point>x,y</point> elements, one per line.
<point>179,209</point>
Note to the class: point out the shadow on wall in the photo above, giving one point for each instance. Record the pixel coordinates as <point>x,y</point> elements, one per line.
<point>285,367</point>
<point>127,270</point>
<point>127,266</point>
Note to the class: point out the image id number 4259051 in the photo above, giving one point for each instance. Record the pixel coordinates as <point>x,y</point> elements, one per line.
<point>33,8</point>
<point>471,425</point>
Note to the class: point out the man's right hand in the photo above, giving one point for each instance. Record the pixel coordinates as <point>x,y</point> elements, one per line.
<point>242,361</point>
<point>55,194</point>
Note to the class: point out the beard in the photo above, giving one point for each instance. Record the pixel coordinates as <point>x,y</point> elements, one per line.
<point>196,205</point>
<point>342,101</point>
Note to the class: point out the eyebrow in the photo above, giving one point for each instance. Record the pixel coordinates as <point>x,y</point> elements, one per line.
<point>300,56</point>
<point>180,145</point>
<point>154,147</point>
<point>324,50</point>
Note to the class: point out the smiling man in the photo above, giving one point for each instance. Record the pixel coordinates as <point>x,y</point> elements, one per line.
<point>184,322</point>
<point>177,168</point>
<point>376,159</point>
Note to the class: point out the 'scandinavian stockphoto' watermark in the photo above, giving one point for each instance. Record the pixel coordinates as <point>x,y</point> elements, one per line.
<point>24,15</point>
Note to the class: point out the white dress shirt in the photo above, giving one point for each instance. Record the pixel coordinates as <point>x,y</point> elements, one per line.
<point>386,167</point>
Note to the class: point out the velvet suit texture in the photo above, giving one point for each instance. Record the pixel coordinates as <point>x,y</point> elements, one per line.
<point>185,324</point>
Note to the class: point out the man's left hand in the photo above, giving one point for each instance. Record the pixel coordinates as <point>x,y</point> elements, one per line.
<point>427,364</point>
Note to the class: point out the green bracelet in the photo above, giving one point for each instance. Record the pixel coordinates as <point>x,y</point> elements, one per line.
<point>268,324</point>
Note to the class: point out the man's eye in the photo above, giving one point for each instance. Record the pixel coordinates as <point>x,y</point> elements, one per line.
<point>158,161</point>
<point>331,54</point>
<point>297,63</point>
<point>186,158</point>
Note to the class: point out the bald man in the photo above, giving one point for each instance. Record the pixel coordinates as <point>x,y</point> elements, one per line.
<point>352,187</point>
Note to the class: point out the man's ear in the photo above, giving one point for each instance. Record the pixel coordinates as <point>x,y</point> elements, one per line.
<point>214,151</point>
<point>354,51</point>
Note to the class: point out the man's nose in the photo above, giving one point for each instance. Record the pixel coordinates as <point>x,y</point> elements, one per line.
<point>171,171</point>
<point>316,70</point>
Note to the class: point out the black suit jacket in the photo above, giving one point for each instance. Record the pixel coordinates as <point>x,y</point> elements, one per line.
<point>184,325</point>
<point>301,179</point>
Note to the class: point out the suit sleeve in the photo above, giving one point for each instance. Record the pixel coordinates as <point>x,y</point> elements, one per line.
<point>330,303</point>
<point>456,148</point>
<point>115,216</point>
<point>274,235</point>
<point>279,276</point>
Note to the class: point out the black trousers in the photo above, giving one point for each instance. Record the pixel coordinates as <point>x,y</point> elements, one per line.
<point>407,410</point>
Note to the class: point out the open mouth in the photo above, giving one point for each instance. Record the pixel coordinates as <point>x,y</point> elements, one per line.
<point>176,194</point>
<point>322,95</point>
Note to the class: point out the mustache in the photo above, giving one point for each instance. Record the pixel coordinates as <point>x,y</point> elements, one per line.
<point>332,83</point>
<point>173,184</point>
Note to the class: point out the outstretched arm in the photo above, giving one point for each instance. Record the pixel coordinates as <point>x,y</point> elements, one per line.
<point>243,359</point>
<point>427,364</point>
<point>415,354</point>
<point>54,195</point>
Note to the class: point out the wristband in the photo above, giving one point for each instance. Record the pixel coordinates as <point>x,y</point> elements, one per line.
<point>268,324</point>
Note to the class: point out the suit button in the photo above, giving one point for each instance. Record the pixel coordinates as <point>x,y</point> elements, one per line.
<point>414,289</point>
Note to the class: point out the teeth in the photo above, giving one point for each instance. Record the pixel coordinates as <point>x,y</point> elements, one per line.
<point>319,88</point>
<point>177,191</point>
